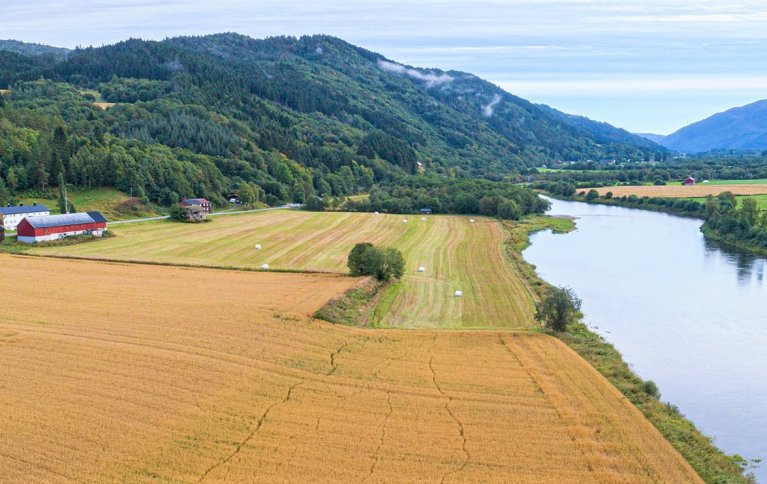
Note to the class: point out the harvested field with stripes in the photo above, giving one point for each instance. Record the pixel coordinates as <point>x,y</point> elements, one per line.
<point>680,191</point>
<point>456,254</point>
<point>137,373</point>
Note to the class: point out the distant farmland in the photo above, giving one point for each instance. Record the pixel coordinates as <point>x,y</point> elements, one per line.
<point>680,191</point>
<point>137,373</point>
<point>456,254</point>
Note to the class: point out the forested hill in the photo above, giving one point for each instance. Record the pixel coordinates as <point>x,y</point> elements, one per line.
<point>203,115</point>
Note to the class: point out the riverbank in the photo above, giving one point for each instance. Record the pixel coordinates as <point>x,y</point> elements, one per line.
<point>678,207</point>
<point>710,462</point>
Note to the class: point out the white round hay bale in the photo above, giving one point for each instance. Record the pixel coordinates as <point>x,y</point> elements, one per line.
<point>458,293</point>
<point>423,219</point>
<point>258,246</point>
<point>404,220</point>
<point>375,213</point>
<point>471,220</point>
<point>264,266</point>
<point>422,269</point>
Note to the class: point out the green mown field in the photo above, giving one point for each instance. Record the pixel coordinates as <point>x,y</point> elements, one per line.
<point>456,254</point>
<point>761,200</point>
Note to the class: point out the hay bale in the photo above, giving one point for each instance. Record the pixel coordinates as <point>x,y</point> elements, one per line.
<point>375,213</point>
<point>423,219</point>
<point>404,220</point>
<point>458,293</point>
<point>422,269</point>
<point>264,266</point>
<point>471,220</point>
<point>258,246</point>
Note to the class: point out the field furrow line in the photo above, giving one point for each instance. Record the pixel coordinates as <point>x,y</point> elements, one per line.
<point>253,432</point>
<point>377,452</point>
<point>461,430</point>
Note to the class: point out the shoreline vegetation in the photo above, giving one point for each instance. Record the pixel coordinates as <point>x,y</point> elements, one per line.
<point>724,219</point>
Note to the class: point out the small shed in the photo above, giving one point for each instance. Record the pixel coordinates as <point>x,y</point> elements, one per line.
<point>426,211</point>
<point>688,181</point>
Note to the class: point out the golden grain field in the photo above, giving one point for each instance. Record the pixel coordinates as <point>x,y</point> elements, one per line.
<point>680,191</point>
<point>455,253</point>
<point>114,372</point>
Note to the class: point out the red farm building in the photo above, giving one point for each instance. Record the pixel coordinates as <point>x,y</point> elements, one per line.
<point>688,181</point>
<point>54,227</point>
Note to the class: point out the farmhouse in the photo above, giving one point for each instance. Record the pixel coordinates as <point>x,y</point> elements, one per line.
<point>689,181</point>
<point>11,216</point>
<point>53,227</point>
<point>201,203</point>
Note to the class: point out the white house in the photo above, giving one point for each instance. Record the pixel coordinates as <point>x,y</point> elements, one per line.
<point>11,216</point>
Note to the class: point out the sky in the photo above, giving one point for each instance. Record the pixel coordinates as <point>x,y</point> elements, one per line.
<point>647,66</point>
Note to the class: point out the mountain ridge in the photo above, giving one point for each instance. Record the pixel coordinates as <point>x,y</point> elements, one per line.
<point>742,128</point>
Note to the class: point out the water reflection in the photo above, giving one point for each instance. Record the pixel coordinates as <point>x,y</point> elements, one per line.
<point>750,267</point>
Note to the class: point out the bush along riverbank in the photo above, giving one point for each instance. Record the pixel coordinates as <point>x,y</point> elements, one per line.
<point>712,464</point>
<point>739,224</point>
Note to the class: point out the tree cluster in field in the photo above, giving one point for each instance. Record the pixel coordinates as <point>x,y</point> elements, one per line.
<point>692,208</point>
<point>495,199</point>
<point>383,263</point>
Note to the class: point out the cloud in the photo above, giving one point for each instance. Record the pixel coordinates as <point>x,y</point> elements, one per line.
<point>487,109</point>
<point>429,77</point>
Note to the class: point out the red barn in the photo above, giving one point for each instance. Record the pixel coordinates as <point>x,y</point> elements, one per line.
<point>53,227</point>
<point>689,181</point>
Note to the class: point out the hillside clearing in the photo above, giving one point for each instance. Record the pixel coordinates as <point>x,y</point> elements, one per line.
<point>680,191</point>
<point>456,253</point>
<point>114,204</point>
<point>220,376</point>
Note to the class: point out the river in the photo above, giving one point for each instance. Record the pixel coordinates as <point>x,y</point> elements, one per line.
<point>685,313</point>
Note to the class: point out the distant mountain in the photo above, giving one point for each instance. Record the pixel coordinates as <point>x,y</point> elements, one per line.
<point>30,49</point>
<point>743,128</point>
